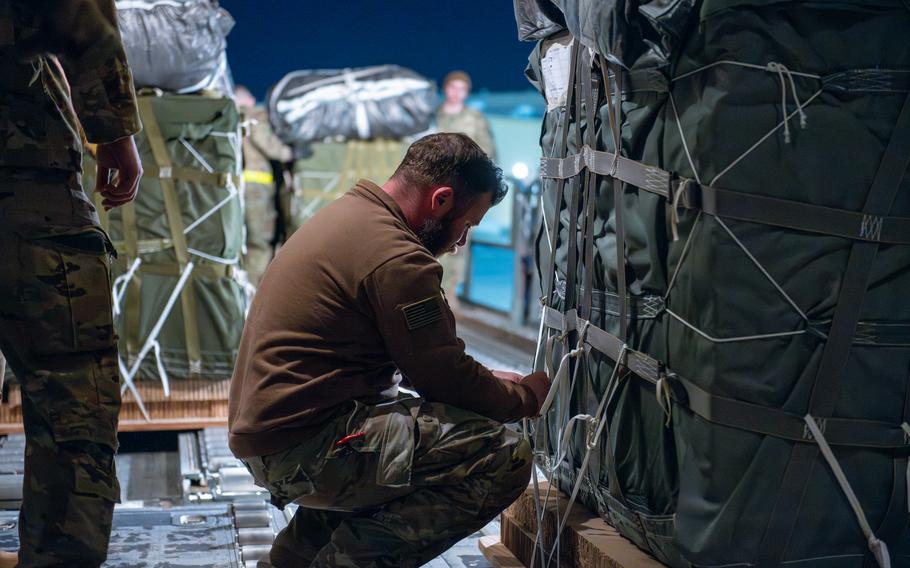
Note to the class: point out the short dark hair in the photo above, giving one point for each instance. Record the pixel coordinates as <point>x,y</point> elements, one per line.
<point>452,160</point>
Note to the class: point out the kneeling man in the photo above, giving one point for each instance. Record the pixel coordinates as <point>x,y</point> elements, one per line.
<point>350,308</point>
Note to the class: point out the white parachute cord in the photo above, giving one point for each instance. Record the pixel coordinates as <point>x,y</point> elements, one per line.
<point>779,69</point>
<point>129,384</point>
<point>232,193</point>
<point>598,422</point>
<point>162,373</point>
<point>879,548</point>
<point>156,330</point>
<point>541,441</point>
<point>197,155</point>
<point>761,140</point>
<point>121,283</point>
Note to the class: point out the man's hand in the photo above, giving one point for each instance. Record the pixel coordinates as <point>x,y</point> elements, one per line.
<point>119,170</point>
<point>539,384</point>
<point>507,376</point>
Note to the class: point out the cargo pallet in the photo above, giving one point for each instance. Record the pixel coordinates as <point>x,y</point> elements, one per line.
<point>587,541</point>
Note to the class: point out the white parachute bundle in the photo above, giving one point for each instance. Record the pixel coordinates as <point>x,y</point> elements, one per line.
<point>177,45</point>
<point>382,102</point>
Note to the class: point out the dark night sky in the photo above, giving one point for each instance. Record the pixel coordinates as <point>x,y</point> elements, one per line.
<point>432,37</point>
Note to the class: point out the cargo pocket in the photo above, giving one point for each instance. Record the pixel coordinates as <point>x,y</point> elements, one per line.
<point>65,292</point>
<point>386,429</point>
<point>96,476</point>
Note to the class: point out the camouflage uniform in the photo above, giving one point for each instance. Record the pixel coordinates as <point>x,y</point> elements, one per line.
<point>56,327</point>
<point>260,146</point>
<point>469,121</point>
<point>393,484</point>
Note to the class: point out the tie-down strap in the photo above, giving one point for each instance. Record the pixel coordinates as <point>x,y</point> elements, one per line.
<point>729,411</point>
<point>687,193</point>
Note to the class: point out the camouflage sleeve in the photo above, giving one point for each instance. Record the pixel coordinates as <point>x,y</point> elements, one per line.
<point>269,144</point>
<point>87,43</point>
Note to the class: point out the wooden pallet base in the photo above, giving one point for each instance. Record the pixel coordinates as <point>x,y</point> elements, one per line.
<point>587,541</point>
<point>190,405</point>
<point>497,554</point>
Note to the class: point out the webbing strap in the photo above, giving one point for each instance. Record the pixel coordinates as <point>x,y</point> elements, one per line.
<point>685,192</point>
<point>217,179</point>
<point>175,222</point>
<point>649,178</point>
<point>828,379</point>
<point>548,276</point>
<point>732,412</point>
<point>583,75</point>
<point>860,226</point>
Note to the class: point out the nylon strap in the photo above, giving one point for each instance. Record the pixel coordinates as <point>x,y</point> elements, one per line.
<point>786,213</point>
<point>588,387</point>
<point>132,301</point>
<point>548,276</point>
<point>582,75</point>
<point>614,109</point>
<point>732,412</point>
<point>175,221</point>
<point>828,379</point>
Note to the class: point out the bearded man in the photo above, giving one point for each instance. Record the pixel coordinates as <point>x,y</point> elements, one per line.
<point>350,308</point>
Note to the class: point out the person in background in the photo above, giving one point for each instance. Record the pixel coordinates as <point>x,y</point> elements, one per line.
<point>62,64</point>
<point>260,148</point>
<point>454,116</point>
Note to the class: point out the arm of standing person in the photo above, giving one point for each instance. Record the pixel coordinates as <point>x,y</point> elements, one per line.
<point>419,332</point>
<point>85,37</point>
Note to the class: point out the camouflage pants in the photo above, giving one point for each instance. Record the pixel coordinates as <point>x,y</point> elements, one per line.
<point>261,218</point>
<point>412,479</point>
<point>57,334</point>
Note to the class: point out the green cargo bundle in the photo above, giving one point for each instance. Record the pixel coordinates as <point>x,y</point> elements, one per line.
<point>725,310</point>
<point>331,168</point>
<point>179,295</point>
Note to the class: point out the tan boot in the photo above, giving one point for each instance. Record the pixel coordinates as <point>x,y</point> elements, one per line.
<point>8,559</point>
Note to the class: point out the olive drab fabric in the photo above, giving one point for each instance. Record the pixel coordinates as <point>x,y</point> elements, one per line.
<point>56,323</point>
<point>745,263</point>
<point>393,484</point>
<point>260,148</point>
<point>331,168</point>
<point>187,212</point>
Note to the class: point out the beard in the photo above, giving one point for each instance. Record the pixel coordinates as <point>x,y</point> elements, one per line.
<point>436,235</point>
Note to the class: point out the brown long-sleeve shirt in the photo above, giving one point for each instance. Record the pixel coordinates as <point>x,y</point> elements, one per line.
<point>352,296</point>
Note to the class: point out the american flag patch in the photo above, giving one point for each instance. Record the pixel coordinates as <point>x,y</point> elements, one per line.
<point>422,313</point>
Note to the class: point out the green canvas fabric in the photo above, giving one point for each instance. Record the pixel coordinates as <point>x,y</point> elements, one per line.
<point>202,138</point>
<point>331,168</point>
<point>700,493</point>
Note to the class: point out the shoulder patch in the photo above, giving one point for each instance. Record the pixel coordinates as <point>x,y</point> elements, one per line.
<point>422,313</point>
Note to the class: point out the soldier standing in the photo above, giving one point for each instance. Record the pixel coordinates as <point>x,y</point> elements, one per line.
<point>455,116</point>
<point>60,61</point>
<point>260,148</point>
<point>382,478</point>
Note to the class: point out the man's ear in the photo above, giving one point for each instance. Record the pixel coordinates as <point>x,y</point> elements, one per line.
<point>442,200</point>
